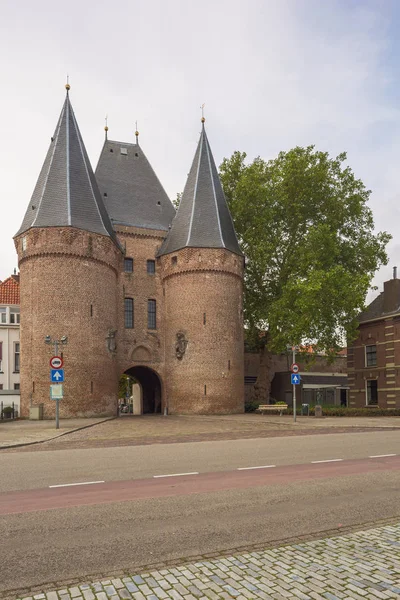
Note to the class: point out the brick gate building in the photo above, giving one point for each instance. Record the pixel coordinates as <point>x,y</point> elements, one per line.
<point>135,288</point>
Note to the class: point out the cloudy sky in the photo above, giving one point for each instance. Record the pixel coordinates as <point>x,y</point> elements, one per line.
<point>272,73</point>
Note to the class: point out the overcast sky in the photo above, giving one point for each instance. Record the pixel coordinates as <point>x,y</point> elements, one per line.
<point>273,74</point>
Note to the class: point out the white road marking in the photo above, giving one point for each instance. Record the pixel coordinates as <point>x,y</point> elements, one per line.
<point>382,455</point>
<point>175,475</point>
<point>316,462</point>
<point>261,467</point>
<point>71,484</point>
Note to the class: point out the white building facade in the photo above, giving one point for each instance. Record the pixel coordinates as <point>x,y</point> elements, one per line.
<point>9,342</point>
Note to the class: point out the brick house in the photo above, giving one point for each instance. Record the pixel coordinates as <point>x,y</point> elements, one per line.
<point>10,341</point>
<point>135,288</point>
<point>373,358</point>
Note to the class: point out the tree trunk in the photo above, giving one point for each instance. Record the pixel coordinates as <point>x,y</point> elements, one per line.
<point>262,387</point>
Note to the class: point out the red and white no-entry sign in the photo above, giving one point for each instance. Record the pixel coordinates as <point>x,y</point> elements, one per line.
<point>56,362</point>
<point>294,368</point>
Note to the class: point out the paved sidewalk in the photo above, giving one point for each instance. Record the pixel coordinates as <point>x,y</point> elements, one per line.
<point>157,429</point>
<point>16,433</point>
<point>357,566</point>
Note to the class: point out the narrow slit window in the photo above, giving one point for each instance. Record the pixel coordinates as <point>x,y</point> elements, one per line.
<point>151,314</point>
<point>129,313</point>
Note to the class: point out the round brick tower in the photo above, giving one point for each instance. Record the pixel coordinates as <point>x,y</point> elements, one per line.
<point>202,274</point>
<point>69,261</point>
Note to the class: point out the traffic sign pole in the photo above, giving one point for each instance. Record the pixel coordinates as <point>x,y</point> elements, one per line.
<point>294,387</point>
<point>57,414</point>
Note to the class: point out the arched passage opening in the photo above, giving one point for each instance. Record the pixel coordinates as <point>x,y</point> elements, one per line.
<point>150,385</point>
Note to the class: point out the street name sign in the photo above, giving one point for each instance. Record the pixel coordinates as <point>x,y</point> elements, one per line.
<point>56,362</point>
<point>56,391</point>
<point>57,375</point>
<point>295,379</point>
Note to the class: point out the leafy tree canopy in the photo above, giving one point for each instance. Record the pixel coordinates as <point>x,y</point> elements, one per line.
<point>307,232</point>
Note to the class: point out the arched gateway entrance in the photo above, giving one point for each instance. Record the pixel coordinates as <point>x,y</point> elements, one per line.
<point>150,388</point>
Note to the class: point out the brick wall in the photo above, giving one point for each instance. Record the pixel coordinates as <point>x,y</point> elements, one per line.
<point>203,300</point>
<point>69,287</point>
<point>141,346</point>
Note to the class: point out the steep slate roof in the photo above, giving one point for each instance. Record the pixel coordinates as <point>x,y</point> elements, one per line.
<point>203,219</point>
<point>373,310</point>
<point>66,193</point>
<point>9,290</point>
<point>130,188</point>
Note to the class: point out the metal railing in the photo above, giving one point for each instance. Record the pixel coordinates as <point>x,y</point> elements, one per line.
<point>8,412</point>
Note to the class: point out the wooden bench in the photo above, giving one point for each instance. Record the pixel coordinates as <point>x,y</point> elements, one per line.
<point>263,408</point>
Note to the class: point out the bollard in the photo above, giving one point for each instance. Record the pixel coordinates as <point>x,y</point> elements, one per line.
<point>318,410</point>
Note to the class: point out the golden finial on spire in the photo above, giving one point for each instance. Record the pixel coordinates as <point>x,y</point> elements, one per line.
<point>136,133</point>
<point>202,113</point>
<point>106,125</point>
<point>67,86</point>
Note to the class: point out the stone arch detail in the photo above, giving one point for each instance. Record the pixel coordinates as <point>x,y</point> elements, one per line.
<point>141,354</point>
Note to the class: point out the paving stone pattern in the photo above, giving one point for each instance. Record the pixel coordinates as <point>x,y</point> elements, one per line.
<point>358,566</point>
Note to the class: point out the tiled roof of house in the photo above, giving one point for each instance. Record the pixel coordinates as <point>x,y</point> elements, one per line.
<point>9,290</point>
<point>203,219</point>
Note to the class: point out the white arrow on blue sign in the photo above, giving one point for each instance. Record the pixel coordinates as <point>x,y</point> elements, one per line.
<point>295,379</point>
<point>57,375</point>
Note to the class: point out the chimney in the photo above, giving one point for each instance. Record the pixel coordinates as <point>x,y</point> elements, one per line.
<point>391,293</point>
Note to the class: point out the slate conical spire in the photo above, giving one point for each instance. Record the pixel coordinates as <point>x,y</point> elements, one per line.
<point>66,193</point>
<point>203,219</point>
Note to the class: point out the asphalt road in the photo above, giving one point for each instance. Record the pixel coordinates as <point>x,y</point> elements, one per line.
<point>89,539</point>
<point>22,471</point>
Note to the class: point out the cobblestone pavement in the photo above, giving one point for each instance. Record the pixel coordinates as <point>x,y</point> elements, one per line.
<point>157,429</point>
<point>358,566</point>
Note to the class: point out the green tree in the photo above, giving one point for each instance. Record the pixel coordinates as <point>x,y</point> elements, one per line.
<point>307,232</point>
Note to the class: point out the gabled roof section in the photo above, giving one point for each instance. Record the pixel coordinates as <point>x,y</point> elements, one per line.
<point>9,290</point>
<point>130,188</point>
<point>374,310</point>
<point>203,219</point>
<point>66,193</point>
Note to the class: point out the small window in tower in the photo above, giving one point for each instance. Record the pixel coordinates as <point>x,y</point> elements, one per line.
<point>174,260</point>
<point>128,265</point>
<point>111,150</point>
<point>137,154</point>
<point>124,151</point>
<point>23,244</point>
<point>105,194</point>
<point>151,267</point>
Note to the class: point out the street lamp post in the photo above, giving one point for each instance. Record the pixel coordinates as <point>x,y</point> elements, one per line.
<point>63,341</point>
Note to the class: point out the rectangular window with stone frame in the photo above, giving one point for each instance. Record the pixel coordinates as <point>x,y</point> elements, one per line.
<point>370,356</point>
<point>16,357</point>
<point>372,392</point>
